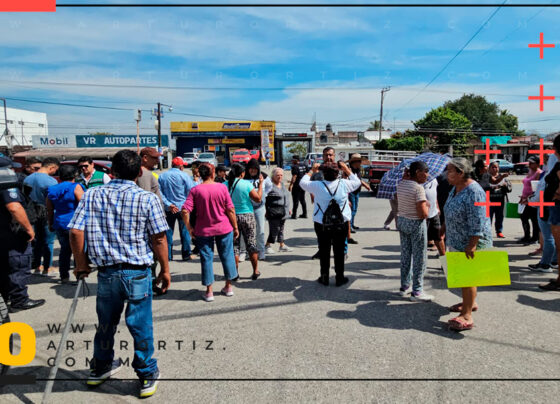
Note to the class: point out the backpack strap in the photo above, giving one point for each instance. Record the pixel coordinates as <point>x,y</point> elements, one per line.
<point>332,194</point>
<point>232,189</point>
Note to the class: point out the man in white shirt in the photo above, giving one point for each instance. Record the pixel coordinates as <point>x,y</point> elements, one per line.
<point>433,222</point>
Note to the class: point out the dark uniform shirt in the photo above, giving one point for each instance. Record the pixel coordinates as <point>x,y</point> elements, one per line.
<point>299,171</point>
<point>8,237</point>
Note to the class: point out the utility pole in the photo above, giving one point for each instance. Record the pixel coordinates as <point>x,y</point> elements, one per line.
<point>383,91</point>
<point>158,114</point>
<point>138,118</point>
<point>7,134</point>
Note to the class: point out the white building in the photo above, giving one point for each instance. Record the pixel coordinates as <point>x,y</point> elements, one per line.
<point>23,125</point>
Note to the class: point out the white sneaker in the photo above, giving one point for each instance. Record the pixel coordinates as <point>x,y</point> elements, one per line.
<point>262,256</point>
<point>270,250</point>
<point>241,257</point>
<point>403,293</point>
<point>285,248</point>
<point>421,297</point>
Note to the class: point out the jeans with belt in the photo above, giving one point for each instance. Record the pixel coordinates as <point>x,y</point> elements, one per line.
<point>114,287</point>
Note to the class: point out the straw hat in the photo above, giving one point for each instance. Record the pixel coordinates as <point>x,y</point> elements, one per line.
<point>355,157</point>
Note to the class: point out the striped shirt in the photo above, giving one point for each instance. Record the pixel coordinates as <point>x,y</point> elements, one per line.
<point>118,219</point>
<point>409,193</point>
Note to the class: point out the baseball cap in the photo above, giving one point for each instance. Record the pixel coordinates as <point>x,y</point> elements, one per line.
<point>150,151</point>
<point>6,162</point>
<point>178,161</point>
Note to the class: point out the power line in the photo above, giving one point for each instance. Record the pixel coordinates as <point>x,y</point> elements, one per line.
<point>453,58</point>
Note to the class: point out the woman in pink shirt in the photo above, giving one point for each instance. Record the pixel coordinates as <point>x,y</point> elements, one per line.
<point>530,212</point>
<point>215,222</point>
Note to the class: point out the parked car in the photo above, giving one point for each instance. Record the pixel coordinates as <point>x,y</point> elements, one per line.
<point>208,158</point>
<point>99,165</point>
<point>255,154</point>
<point>521,168</point>
<point>310,157</point>
<point>241,156</point>
<point>505,166</point>
<point>189,158</point>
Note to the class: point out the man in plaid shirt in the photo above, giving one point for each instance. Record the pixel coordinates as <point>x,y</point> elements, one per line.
<point>117,221</point>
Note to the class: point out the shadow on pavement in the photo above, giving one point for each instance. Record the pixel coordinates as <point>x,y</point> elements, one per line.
<point>547,305</point>
<point>411,316</point>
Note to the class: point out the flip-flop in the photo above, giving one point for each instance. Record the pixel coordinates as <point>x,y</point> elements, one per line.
<point>459,325</point>
<point>255,276</point>
<point>455,308</point>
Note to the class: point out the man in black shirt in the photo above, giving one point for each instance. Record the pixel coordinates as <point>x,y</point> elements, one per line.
<point>298,194</point>
<point>16,234</point>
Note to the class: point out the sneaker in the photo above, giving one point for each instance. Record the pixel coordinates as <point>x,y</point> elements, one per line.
<point>387,227</point>
<point>405,291</point>
<point>352,231</point>
<point>420,297</point>
<point>500,235</point>
<point>316,256</point>
<point>96,377</point>
<point>540,267</point>
<point>270,250</point>
<point>242,257</point>
<point>208,297</point>
<point>149,385</point>
<point>303,216</point>
<point>554,265</point>
<point>341,281</point>
<point>352,241</point>
<point>228,292</point>
<point>285,248</point>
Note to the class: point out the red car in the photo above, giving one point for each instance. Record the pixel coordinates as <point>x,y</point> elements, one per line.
<point>241,156</point>
<point>255,154</point>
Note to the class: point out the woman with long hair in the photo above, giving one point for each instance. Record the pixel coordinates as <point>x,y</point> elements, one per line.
<point>242,193</point>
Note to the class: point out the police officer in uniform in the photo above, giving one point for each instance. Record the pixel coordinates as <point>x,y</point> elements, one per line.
<point>16,234</point>
<point>298,194</point>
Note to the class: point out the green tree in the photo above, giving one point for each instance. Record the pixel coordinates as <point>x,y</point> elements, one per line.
<point>374,125</point>
<point>483,115</point>
<point>411,143</point>
<point>297,149</point>
<point>510,123</point>
<point>446,127</point>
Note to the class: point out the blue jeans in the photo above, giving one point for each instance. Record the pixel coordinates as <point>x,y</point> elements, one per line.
<point>65,252</point>
<point>261,223</point>
<point>183,232</point>
<point>44,246</point>
<point>114,286</point>
<point>224,243</point>
<point>549,248</point>
<point>354,199</point>
<point>414,252</point>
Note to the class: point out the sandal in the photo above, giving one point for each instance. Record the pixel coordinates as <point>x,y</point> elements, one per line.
<point>552,285</point>
<point>459,325</point>
<point>456,308</point>
<point>255,276</point>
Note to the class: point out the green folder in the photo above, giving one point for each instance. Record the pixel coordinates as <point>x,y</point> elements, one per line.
<point>487,268</point>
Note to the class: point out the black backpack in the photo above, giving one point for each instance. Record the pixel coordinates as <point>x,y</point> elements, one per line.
<point>35,212</point>
<point>332,216</point>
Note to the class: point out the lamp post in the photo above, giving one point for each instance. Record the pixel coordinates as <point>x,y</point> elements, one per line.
<point>158,116</point>
<point>6,134</point>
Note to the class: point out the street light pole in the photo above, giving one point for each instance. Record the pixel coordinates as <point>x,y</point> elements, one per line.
<point>6,134</point>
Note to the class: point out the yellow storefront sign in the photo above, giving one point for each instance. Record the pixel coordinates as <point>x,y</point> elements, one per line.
<point>233,141</point>
<point>223,126</point>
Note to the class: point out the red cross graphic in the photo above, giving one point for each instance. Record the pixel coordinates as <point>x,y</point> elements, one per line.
<point>541,152</point>
<point>487,151</point>
<point>487,203</point>
<point>541,98</point>
<point>541,203</point>
<point>541,45</point>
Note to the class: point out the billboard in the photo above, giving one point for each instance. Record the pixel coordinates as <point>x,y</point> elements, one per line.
<point>88,141</point>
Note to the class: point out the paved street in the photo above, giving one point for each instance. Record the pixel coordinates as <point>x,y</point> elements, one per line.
<point>287,326</point>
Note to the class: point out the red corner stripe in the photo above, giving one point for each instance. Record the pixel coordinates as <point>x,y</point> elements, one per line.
<point>27,5</point>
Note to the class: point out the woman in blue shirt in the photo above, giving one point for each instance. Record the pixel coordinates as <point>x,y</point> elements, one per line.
<point>242,192</point>
<point>466,229</point>
<point>62,200</point>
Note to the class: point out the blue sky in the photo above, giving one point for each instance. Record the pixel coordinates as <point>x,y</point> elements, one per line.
<point>284,64</point>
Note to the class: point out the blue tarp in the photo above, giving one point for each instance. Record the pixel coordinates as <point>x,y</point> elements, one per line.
<point>495,139</point>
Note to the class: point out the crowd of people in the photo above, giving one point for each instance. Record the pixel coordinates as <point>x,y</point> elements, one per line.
<point>124,226</point>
